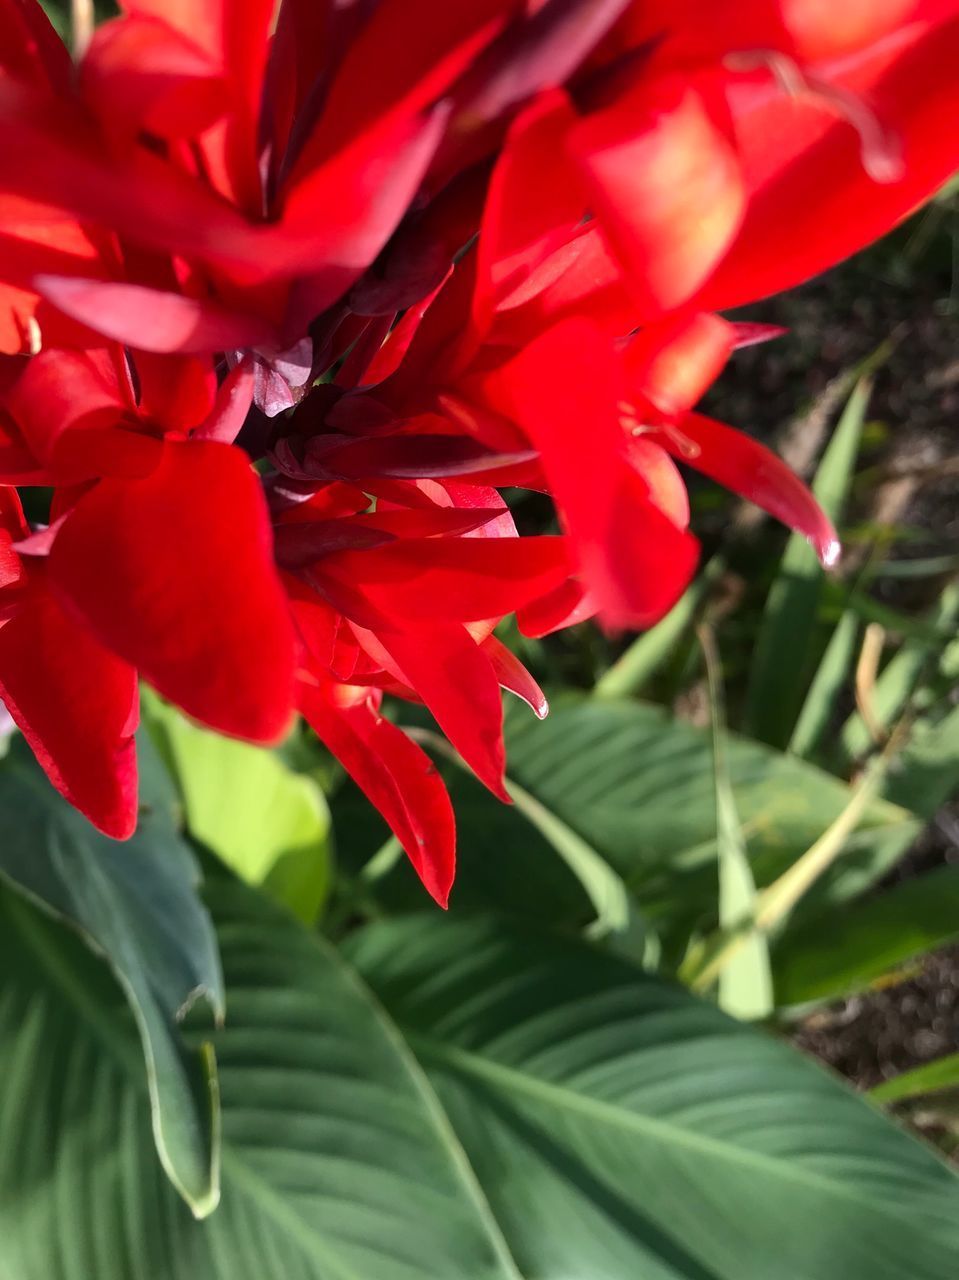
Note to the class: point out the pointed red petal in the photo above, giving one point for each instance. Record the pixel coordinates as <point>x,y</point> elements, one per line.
<point>513,676</point>
<point>456,680</point>
<point>175,573</point>
<point>750,469</point>
<point>76,704</point>
<point>396,776</point>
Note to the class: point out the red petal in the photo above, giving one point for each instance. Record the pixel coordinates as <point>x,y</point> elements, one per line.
<point>664,483</point>
<point>337,217</point>
<point>533,206</point>
<point>396,776</point>
<point>456,680</point>
<point>76,704</point>
<point>233,399</point>
<point>30,48</point>
<point>77,418</point>
<point>807,185</point>
<point>235,36</point>
<point>139,74</point>
<point>568,605</point>
<point>634,560</point>
<point>175,573</point>
<point>316,623</point>
<point>153,319</point>
<point>750,469</point>
<point>385,74</point>
<point>513,676</point>
<point>175,392</point>
<point>673,363</point>
<point>13,528</point>
<point>453,579</point>
<point>666,187</point>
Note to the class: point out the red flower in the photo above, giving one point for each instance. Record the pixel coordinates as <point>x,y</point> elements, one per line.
<point>405,600</point>
<point>485,256</point>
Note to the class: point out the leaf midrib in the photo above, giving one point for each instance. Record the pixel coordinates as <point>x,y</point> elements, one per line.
<point>563,1098</point>
<point>442,1124</point>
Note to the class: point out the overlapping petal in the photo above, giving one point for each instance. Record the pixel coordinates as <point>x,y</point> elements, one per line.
<point>174,572</point>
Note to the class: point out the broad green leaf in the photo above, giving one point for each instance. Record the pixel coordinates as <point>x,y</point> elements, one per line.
<point>784,644</point>
<point>843,951</point>
<point>338,1161</point>
<point>620,1128</point>
<point>637,785</point>
<point>931,1077</point>
<point>443,1101</point>
<point>136,904</point>
<point>268,824</point>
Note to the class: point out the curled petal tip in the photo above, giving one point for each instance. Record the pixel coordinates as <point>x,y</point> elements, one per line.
<point>829,551</point>
<point>541,710</point>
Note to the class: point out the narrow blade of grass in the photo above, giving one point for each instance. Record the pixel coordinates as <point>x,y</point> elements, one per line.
<point>745,981</point>
<point>775,694</point>
<point>831,675</point>
<point>931,1077</point>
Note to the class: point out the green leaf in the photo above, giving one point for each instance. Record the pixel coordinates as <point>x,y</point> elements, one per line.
<point>268,824</point>
<point>136,904</point>
<point>745,978</point>
<point>843,951</point>
<point>503,861</point>
<point>620,1128</point>
<point>486,1102</point>
<point>617,916</point>
<point>927,772</point>
<point>633,670</point>
<point>338,1163</point>
<point>637,785</point>
<point>831,675</point>
<point>784,645</point>
<point>931,1077</point>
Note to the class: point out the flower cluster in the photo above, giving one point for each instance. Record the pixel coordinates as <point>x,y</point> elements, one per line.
<point>287,297</point>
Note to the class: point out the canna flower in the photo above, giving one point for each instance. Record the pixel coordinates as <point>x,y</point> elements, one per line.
<point>400,275</point>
